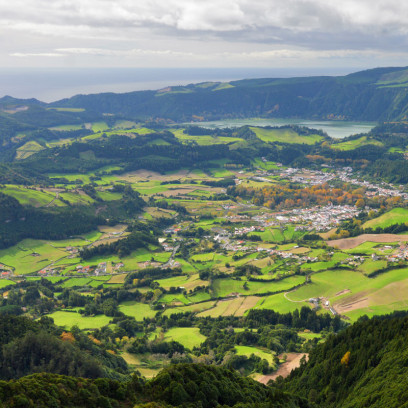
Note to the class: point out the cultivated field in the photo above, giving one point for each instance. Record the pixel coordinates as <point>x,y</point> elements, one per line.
<point>349,243</point>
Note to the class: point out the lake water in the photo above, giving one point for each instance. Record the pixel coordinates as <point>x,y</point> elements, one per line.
<point>335,129</point>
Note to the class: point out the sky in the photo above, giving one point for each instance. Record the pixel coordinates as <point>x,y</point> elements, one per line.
<point>346,34</point>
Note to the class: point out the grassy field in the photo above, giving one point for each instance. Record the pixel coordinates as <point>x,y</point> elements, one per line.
<point>68,109</point>
<point>320,266</point>
<point>232,307</point>
<point>189,337</point>
<point>284,136</point>
<point>278,303</point>
<point>30,256</point>
<point>186,282</point>
<point>76,282</point>
<point>278,235</point>
<point>174,298</point>
<point>352,293</point>
<point>27,196</point>
<point>395,216</point>
<point>353,144</point>
<point>6,282</point>
<point>248,351</point>
<point>69,319</point>
<point>224,287</point>
<point>265,165</point>
<point>309,335</point>
<point>199,307</point>
<point>137,310</point>
<point>370,266</point>
<point>118,278</point>
<point>28,149</point>
<point>204,140</point>
<point>75,198</point>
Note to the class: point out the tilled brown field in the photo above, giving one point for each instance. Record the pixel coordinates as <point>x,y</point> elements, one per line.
<point>349,243</point>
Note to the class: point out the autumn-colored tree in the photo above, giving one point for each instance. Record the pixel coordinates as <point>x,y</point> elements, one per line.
<point>67,336</point>
<point>346,359</point>
<point>344,234</point>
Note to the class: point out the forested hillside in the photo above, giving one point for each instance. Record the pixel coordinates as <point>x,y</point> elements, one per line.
<point>378,94</point>
<point>362,366</point>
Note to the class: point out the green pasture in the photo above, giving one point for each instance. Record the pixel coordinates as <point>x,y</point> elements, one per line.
<point>277,235</point>
<point>67,109</point>
<point>76,282</point>
<point>248,351</point>
<point>224,308</point>
<point>284,136</point>
<point>27,196</point>
<point>186,267</point>
<point>75,198</point>
<point>370,266</point>
<point>353,144</point>
<point>366,248</point>
<point>395,216</point>
<point>220,172</point>
<point>319,266</point>
<point>28,149</point>
<point>309,335</point>
<point>22,257</point>
<point>199,307</point>
<point>200,296</point>
<point>224,287</point>
<point>372,311</point>
<point>92,236</point>
<point>99,126</point>
<point>278,303</point>
<point>176,297</point>
<point>265,165</point>
<point>69,319</point>
<point>108,195</point>
<point>6,282</point>
<point>189,337</point>
<point>187,282</point>
<point>137,310</point>
<point>379,290</point>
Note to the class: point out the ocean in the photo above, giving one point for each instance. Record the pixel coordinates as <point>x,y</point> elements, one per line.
<point>52,84</point>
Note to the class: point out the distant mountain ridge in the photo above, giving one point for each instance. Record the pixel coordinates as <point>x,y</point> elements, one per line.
<point>373,95</point>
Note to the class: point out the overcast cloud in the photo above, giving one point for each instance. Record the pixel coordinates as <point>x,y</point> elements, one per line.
<point>213,33</point>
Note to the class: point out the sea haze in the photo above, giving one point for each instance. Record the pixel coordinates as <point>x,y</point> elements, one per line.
<point>49,85</point>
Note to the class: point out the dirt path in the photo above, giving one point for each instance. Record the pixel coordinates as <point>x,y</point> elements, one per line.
<point>294,301</point>
<point>55,198</point>
<point>292,362</point>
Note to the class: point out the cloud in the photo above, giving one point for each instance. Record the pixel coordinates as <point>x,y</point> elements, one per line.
<point>33,54</point>
<point>297,16</point>
<point>270,55</point>
<point>263,29</point>
<point>108,52</point>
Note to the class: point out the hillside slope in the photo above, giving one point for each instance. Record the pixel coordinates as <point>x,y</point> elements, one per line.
<point>363,366</point>
<point>378,94</point>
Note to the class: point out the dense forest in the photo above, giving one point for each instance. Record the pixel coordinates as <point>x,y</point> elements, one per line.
<point>362,366</point>
<point>65,359</point>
